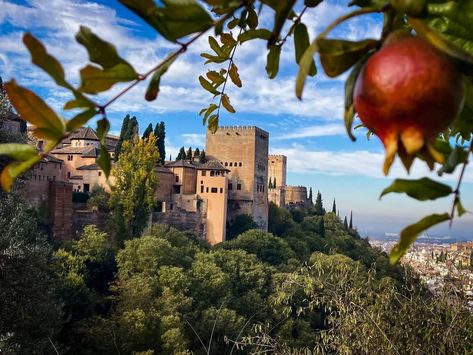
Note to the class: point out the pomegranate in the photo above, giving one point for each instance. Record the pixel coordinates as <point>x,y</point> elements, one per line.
<point>406,94</point>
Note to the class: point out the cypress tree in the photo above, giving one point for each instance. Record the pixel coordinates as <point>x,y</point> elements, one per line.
<point>182,154</point>
<point>345,223</point>
<point>118,147</point>
<point>147,131</point>
<point>319,207</point>
<point>197,153</point>
<point>270,183</point>
<point>321,227</point>
<point>351,220</point>
<point>160,133</point>
<point>310,196</point>
<point>334,207</point>
<point>274,182</point>
<point>189,154</point>
<point>202,158</point>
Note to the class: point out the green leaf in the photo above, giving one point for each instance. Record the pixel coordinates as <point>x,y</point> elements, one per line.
<point>213,123</point>
<point>312,3</point>
<point>349,114</point>
<point>233,23</point>
<point>153,86</point>
<point>375,4</point>
<point>410,233</point>
<point>100,52</point>
<point>207,85</point>
<point>283,8</point>
<point>457,156</point>
<point>18,151</point>
<point>14,169</point>
<point>177,19</point>
<point>274,4</point>
<point>80,101</point>
<point>337,56</point>
<point>442,42</point>
<point>213,58</point>
<point>252,19</point>
<point>301,43</point>
<point>233,72</point>
<point>261,33</point>
<point>210,109</point>
<point>80,119</point>
<point>216,47</point>
<point>272,61</point>
<point>34,110</point>
<point>226,104</point>
<point>216,78</point>
<point>459,206</point>
<point>45,61</point>
<point>304,68</point>
<point>95,80</point>
<point>423,189</point>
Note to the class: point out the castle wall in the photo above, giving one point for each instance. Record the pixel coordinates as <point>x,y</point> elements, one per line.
<point>277,195</point>
<point>165,182</point>
<point>185,178</point>
<point>182,220</point>
<point>37,186</point>
<point>60,207</point>
<point>296,195</point>
<point>244,151</point>
<point>277,166</point>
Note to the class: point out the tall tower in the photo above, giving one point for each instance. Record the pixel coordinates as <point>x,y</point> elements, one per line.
<point>243,151</point>
<point>277,177</point>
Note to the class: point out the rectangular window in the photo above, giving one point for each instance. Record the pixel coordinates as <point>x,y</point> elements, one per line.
<point>204,173</point>
<point>214,190</point>
<point>201,182</point>
<point>100,173</point>
<point>177,178</point>
<point>221,190</point>
<point>202,189</point>
<point>230,186</point>
<point>212,173</point>
<point>238,186</point>
<point>207,190</point>
<point>240,164</point>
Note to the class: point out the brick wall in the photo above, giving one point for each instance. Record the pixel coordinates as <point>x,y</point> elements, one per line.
<point>60,207</point>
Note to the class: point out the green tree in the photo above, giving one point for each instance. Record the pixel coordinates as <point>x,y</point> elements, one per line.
<point>147,131</point>
<point>319,207</point>
<point>274,183</point>
<point>30,314</point>
<point>321,227</point>
<point>182,154</point>
<point>160,134</point>
<point>311,201</point>
<point>132,195</point>
<point>242,223</point>
<point>265,246</point>
<point>350,226</point>
<point>196,153</point>
<point>345,223</point>
<point>98,199</point>
<point>202,158</point>
<point>122,137</point>
<point>334,207</point>
<point>189,154</point>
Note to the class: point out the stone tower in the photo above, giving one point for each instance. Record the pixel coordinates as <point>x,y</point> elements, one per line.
<point>244,151</point>
<point>277,173</point>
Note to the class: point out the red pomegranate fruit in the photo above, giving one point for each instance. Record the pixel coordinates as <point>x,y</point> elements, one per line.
<point>407,93</point>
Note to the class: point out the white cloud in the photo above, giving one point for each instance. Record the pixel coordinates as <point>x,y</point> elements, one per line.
<point>313,131</point>
<point>359,162</point>
<point>194,139</point>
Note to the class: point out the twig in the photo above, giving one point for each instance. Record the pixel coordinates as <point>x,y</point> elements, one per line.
<point>296,21</point>
<point>203,345</point>
<point>182,49</point>
<point>456,192</point>
<point>54,347</point>
<point>213,329</point>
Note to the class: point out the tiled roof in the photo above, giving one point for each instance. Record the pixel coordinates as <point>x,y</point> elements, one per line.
<point>180,164</point>
<point>50,158</point>
<point>84,133</point>
<point>162,169</point>
<point>86,152</point>
<point>210,165</point>
<point>91,152</point>
<point>89,167</point>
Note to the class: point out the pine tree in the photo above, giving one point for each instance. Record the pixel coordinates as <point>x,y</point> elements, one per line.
<point>274,182</point>
<point>160,133</point>
<point>270,185</point>
<point>147,131</point>
<point>319,207</point>
<point>202,158</point>
<point>197,153</point>
<point>351,220</point>
<point>121,139</point>
<point>345,223</point>
<point>182,154</point>
<point>311,201</point>
<point>321,227</point>
<point>334,207</point>
<point>189,154</point>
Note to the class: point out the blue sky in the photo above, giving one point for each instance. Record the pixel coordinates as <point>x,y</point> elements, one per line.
<point>310,133</point>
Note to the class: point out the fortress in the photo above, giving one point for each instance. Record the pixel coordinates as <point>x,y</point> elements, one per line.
<point>239,177</point>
